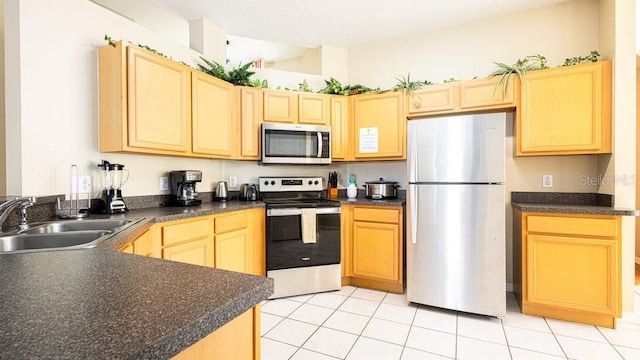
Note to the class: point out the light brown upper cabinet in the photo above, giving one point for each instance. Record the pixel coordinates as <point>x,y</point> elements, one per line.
<point>297,108</point>
<point>379,126</point>
<point>314,109</point>
<point>251,117</point>
<point>214,115</point>
<point>565,110</point>
<point>339,128</point>
<point>280,106</point>
<point>145,102</point>
<point>150,104</point>
<point>464,96</point>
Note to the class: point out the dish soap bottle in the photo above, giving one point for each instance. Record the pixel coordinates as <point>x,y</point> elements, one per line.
<point>352,190</point>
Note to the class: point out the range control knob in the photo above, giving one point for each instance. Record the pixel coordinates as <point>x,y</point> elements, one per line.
<point>266,182</point>
<point>273,182</point>
<point>310,182</point>
<point>315,182</point>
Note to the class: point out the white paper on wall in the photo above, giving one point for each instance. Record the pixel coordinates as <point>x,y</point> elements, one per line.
<point>369,140</point>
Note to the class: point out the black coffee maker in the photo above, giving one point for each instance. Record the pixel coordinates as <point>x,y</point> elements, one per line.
<point>112,177</point>
<point>183,187</point>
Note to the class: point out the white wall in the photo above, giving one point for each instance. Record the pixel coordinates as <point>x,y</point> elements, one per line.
<point>3,165</point>
<point>617,37</point>
<point>52,110</point>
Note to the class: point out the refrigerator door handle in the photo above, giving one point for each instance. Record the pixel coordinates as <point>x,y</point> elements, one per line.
<point>413,145</point>
<point>413,200</point>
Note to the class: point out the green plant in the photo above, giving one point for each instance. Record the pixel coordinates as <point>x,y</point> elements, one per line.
<point>259,83</point>
<point>450,80</point>
<point>109,40</point>
<point>333,87</point>
<point>304,87</point>
<point>237,76</point>
<point>529,63</point>
<point>405,83</point>
<point>153,50</point>
<point>592,57</point>
<point>240,75</point>
<point>214,69</point>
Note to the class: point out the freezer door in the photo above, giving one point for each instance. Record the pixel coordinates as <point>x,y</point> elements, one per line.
<point>462,149</point>
<point>456,247</point>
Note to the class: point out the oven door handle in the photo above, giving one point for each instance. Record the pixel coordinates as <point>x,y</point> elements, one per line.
<point>297,211</point>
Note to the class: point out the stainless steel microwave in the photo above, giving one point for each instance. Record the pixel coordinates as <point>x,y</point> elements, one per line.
<point>296,144</point>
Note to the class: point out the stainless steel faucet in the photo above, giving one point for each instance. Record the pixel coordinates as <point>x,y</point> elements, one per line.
<point>22,204</point>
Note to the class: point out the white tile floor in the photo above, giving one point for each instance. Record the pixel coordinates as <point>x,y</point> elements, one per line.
<point>357,323</point>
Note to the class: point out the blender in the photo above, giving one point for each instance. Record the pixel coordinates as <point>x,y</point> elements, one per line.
<point>112,177</point>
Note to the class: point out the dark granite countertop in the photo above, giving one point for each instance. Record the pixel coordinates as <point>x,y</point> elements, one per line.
<point>365,201</point>
<point>568,203</point>
<point>98,303</point>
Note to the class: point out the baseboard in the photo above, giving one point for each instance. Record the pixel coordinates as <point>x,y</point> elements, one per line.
<point>510,286</point>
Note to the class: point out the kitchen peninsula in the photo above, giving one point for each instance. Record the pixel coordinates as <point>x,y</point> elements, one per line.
<point>99,303</point>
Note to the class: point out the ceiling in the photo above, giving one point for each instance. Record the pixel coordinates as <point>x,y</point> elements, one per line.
<point>341,23</point>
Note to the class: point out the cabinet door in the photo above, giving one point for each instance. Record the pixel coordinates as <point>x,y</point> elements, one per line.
<point>565,110</point>
<point>258,244</point>
<point>339,127</point>
<point>572,272</point>
<point>346,241</point>
<point>148,244</point>
<point>314,109</point>
<point>127,249</point>
<point>233,251</point>
<point>379,126</point>
<point>214,116</point>
<point>376,251</point>
<point>239,339</point>
<point>280,106</point>
<point>433,98</point>
<point>159,102</point>
<point>484,94</point>
<point>198,252</point>
<point>251,114</point>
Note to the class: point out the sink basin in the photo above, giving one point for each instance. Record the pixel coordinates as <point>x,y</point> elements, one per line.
<point>76,225</point>
<point>79,239</point>
<point>62,235</point>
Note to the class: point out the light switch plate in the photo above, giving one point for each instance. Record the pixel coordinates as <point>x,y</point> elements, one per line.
<point>164,183</point>
<point>233,181</point>
<point>547,181</point>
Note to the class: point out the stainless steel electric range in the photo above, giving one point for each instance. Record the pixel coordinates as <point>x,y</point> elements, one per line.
<point>302,236</point>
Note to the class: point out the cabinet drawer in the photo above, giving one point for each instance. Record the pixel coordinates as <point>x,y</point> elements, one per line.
<point>587,226</point>
<point>228,223</point>
<point>191,230</point>
<point>391,216</point>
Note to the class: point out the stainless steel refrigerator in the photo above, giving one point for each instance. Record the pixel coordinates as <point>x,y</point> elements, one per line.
<point>456,213</point>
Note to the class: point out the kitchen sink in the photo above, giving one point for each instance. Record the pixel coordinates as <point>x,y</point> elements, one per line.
<point>75,225</point>
<point>51,241</point>
<point>62,235</point>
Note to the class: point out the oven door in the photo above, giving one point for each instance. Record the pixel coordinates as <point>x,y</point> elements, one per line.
<point>296,144</point>
<point>285,248</point>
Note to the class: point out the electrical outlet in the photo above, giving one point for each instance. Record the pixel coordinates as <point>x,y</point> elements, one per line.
<point>233,181</point>
<point>84,185</point>
<point>164,183</point>
<point>547,181</point>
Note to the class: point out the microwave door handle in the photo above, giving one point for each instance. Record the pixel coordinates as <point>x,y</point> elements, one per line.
<point>319,134</point>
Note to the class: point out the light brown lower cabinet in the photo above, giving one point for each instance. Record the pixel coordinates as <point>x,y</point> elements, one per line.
<point>568,267</point>
<point>238,339</point>
<point>372,247</point>
<point>230,241</point>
